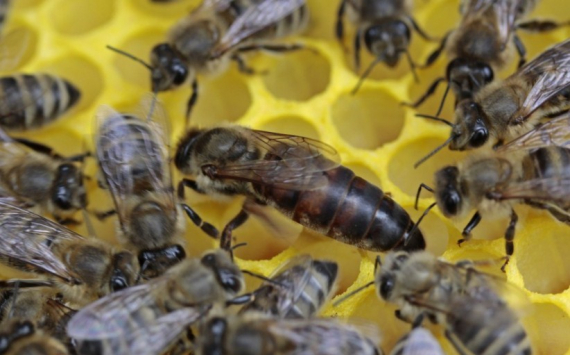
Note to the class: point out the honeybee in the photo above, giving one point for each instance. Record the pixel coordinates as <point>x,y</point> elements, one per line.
<point>149,318</point>
<point>33,175</point>
<point>532,169</point>
<point>255,334</point>
<point>22,338</point>
<point>31,101</point>
<point>468,303</point>
<point>301,178</point>
<point>300,287</point>
<point>419,341</point>
<point>83,270</point>
<point>219,31</point>
<point>481,45</point>
<point>384,27</point>
<point>134,161</point>
<point>504,110</point>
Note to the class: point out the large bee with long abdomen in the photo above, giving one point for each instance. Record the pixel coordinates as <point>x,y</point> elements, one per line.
<point>301,178</point>
<point>135,163</point>
<point>31,101</point>
<point>299,289</point>
<point>83,270</point>
<point>468,303</point>
<point>383,26</point>
<point>33,175</point>
<point>256,334</point>
<point>504,110</point>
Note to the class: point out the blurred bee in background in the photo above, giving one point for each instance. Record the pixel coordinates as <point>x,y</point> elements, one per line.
<point>150,318</point>
<point>83,270</point>
<point>219,31</point>
<point>33,175</point>
<point>468,303</point>
<point>533,169</point>
<point>4,10</point>
<point>256,334</point>
<point>23,338</point>
<point>419,341</point>
<point>503,110</point>
<point>301,178</point>
<point>135,164</point>
<point>300,288</point>
<point>384,27</point>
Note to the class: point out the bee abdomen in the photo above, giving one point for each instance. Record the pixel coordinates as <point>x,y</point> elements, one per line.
<point>32,101</point>
<point>317,290</point>
<point>291,24</point>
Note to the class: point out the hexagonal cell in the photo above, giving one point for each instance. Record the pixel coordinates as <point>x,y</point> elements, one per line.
<point>297,76</point>
<point>401,168</point>
<point>81,72</point>
<point>365,173</point>
<point>544,237</point>
<point>139,45</point>
<point>12,39</point>
<point>358,121</point>
<point>548,327</point>
<point>93,14</point>
<point>291,125</point>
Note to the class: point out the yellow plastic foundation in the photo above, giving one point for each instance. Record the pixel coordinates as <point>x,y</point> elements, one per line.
<point>305,93</point>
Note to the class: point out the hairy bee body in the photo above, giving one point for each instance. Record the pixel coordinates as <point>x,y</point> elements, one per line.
<point>22,338</point>
<point>33,101</point>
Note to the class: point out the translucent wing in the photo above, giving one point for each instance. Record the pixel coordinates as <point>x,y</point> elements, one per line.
<point>290,162</point>
<point>550,75</point>
<point>555,190</point>
<point>27,239</point>
<point>420,342</point>
<point>132,156</point>
<point>255,18</point>
<point>12,48</point>
<point>215,5</point>
<point>554,133</point>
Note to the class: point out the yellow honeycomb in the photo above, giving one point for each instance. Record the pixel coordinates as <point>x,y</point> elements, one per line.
<point>306,93</point>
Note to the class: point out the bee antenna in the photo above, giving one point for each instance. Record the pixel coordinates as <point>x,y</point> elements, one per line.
<point>152,106</point>
<point>350,294</point>
<point>422,186</point>
<point>129,55</point>
<point>416,226</point>
<point>435,118</point>
<point>412,66</point>
<point>433,152</point>
<point>239,246</point>
<point>261,277</point>
<point>365,75</point>
<point>440,108</point>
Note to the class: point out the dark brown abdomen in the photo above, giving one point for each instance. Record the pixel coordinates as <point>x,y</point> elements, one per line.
<point>350,210</point>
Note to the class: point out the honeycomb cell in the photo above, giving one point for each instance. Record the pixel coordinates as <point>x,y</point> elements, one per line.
<point>291,125</point>
<point>139,45</point>
<point>365,173</point>
<point>368,119</point>
<point>401,168</point>
<point>434,230</point>
<point>15,33</point>
<point>93,14</point>
<point>80,71</point>
<point>297,76</point>
<point>544,274</point>
<point>548,327</point>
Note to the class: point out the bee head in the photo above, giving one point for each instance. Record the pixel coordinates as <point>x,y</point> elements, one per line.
<point>470,130</point>
<point>68,191</point>
<point>169,70</point>
<point>182,159</point>
<point>447,191</point>
<point>227,273</point>
<point>468,76</point>
<point>387,276</point>
<point>387,40</point>
<point>125,271</point>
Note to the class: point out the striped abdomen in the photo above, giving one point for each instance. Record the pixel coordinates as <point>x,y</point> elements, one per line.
<point>33,101</point>
<point>350,210</point>
<point>289,25</point>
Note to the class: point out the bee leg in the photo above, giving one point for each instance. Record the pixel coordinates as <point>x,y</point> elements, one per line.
<point>418,321</point>
<point>187,183</point>
<point>521,50</point>
<point>466,234</point>
<point>509,238</point>
<point>243,67</point>
<point>279,48</point>
<point>103,215</point>
<point>541,25</point>
<point>39,147</point>
<point>456,343</point>
<point>339,28</point>
<point>436,53</point>
<point>239,300</point>
<point>420,31</point>
<point>430,91</point>
<point>226,238</point>
<point>67,221</point>
<point>195,218</point>
<point>357,46</point>
<point>192,100</point>
<point>398,314</point>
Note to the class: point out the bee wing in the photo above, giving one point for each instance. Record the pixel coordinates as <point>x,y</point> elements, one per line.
<point>420,341</point>
<point>554,133</point>
<point>13,45</point>
<point>294,274</point>
<point>551,75</point>
<point>215,5</point>
<point>26,242</point>
<point>291,162</point>
<point>130,150</point>
<point>325,336</point>
<point>254,19</point>
<point>553,190</point>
